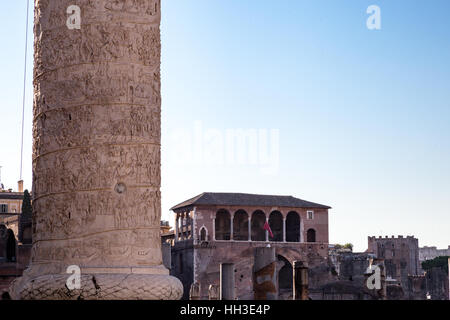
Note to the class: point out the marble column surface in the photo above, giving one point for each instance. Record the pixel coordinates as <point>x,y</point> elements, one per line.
<point>96,153</point>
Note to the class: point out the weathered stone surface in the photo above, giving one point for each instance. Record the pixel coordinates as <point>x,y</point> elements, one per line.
<point>96,153</point>
<point>265,274</point>
<point>103,287</point>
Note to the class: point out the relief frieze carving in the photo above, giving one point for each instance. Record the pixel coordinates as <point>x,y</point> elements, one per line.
<point>93,125</point>
<point>99,167</point>
<point>96,152</point>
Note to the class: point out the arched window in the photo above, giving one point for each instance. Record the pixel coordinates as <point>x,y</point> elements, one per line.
<point>311,235</point>
<point>258,221</point>
<point>293,227</point>
<point>240,226</point>
<point>276,225</point>
<point>223,227</point>
<point>203,234</point>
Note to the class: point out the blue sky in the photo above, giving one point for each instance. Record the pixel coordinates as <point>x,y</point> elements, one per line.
<point>362,115</point>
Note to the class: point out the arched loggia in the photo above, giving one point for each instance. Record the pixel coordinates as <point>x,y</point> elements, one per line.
<point>223,225</point>
<point>276,225</point>
<point>258,221</point>
<point>240,226</point>
<point>293,227</point>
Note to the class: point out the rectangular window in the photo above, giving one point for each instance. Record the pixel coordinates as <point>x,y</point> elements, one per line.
<point>310,215</point>
<point>3,208</point>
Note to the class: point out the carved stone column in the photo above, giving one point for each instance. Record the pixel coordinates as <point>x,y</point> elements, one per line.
<point>176,227</point>
<point>231,228</point>
<point>183,224</point>
<point>96,153</point>
<point>302,231</point>
<point>301,282</point>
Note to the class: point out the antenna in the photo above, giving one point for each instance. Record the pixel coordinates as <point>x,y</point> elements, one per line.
<point>24,87</point>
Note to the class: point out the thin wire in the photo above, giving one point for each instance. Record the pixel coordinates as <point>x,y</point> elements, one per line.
<point>24,88</point>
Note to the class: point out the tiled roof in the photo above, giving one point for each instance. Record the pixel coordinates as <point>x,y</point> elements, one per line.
<point>245,199</point>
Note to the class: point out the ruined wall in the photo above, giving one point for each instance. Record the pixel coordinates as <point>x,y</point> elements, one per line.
<point>208,258</point>
<point>437,284</point>
<point>182,256</point>
<point>350,280</point>
<point>433,284</point>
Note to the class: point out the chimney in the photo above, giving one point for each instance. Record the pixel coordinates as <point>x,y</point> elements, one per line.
<point>20,183</point>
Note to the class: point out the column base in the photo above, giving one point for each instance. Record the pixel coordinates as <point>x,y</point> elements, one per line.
<point>98,286</point>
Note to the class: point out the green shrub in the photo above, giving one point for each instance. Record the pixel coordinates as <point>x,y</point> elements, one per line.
<point>439,262</point>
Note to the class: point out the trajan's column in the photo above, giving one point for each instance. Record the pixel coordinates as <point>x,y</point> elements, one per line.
<point>96,153</point>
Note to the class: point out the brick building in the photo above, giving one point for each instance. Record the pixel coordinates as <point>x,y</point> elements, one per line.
<point>215,228</point>
<point>401,256</point>
<point>14,250</point>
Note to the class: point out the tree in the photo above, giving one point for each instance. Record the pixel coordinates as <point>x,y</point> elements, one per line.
<point>439,262</point>
<point>26,205</point>
<point>348,246</point>
<point>345,246</point>
<point>25,218</point>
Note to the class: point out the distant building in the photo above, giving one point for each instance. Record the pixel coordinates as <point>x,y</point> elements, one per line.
<point>401,256</point>
<point>165,227</point>
<point>14,255</point>
<point>167,240</point>
<point>429,253</point>
<point>10,209</point>
<point>215,228</point>
<point>11,202</point>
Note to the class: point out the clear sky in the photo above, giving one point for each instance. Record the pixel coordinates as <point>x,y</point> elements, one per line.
<point>354,118</point>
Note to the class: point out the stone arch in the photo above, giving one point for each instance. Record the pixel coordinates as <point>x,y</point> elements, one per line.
<point>293,227</point>
<point>10,246</point>
<point>203,234</point>
<point>285,278</point>
<point>276,225</point>
<point>3,239</point>
<point>240,226</point>
<point>311,235</point>
<point>258,221</point>
<point>292,254</point>
<point>223,225</point>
